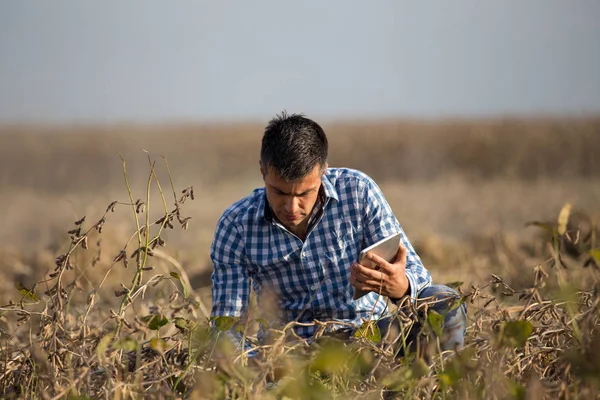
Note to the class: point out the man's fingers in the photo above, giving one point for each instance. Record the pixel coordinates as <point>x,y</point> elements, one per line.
<point>389,268</point>
<point>375,284</point>
<point>401,254</point>
<point>368,286</point>
<point>381,262</point>
<point>388,279</point>
<point>363,273</point>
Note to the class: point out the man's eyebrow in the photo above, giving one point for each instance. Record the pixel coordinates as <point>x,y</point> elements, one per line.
<point>297,194</point>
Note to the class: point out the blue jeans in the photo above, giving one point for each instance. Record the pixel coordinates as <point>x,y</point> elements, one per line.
<point>454,321</point>
<point>453,330</point>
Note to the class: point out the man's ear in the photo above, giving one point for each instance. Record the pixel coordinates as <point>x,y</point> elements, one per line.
<point>325,166</point>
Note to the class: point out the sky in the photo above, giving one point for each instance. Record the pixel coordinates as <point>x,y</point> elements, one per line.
<point>151,61</point>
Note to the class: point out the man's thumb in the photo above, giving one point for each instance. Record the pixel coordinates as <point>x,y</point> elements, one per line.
<point>401,254</point>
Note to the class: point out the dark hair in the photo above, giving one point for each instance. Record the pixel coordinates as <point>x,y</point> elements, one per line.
<point>293,145</point>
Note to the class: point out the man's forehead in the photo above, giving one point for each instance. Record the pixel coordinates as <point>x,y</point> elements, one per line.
<point>297,187</point>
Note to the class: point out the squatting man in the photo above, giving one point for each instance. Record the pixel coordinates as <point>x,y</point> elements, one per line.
<point>299,238</point>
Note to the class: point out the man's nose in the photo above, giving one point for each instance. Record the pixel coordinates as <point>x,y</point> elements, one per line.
<point>292,205</point>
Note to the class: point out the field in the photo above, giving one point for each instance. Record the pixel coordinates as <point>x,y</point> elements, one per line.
<point>76,322</point>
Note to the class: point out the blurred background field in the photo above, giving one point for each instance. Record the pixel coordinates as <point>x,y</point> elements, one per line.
<point>463,189</point>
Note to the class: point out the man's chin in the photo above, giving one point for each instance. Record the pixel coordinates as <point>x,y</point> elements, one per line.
<point>291,222</point>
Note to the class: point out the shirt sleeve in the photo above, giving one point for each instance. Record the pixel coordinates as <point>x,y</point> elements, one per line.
<point>230,277</point>
<point>380,222</point>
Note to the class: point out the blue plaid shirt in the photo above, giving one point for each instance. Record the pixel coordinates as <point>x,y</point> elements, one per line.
<point>310,278</point>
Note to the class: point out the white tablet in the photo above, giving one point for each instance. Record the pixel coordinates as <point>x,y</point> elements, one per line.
<point>386,248</point>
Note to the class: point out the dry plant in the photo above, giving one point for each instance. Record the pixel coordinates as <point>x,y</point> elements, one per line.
<point>541,341</point>
<point>56,345</point>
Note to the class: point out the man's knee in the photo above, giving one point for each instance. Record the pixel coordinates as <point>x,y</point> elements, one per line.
<point>440,296</point>
<point>446,301</point>
<point>440,292</point>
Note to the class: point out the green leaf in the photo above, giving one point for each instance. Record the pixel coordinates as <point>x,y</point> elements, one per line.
<point>398,379</point>
<point>364,361</point>
<point>127,343</point>
<point>436,322</point>
<point>181,323</point>
<point>585,365</point>
<point>158,345</point>
<point>262,322</point>
<point>516,333</point>
<point>446,380</point>
<point>155,321</point>
<point>29,294</point>
<point>517,391</point>
<point>542,225</point>
<point>200,337</point>
<point>72,396</point>
<point>370,331</point>
<point>454,304</point>
<point>186,288</point>
<point>302,386</point>
<point>569,294</point>
<point>332,358</point>
<point>224,323</point>
<point>420,368</point>
<point>595,254</point>
<point>103,347</point>
<point>455,284</point>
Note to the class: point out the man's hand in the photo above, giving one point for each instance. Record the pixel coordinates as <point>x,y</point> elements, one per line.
<point>389,280</point>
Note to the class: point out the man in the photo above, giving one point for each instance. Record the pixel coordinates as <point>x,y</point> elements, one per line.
<point>299,238</point>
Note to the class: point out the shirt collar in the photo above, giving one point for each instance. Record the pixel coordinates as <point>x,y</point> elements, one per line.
<point>263,210</point>
<point>330,192</point>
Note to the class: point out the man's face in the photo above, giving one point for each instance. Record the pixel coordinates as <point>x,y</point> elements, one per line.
<point>292,202</point>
